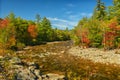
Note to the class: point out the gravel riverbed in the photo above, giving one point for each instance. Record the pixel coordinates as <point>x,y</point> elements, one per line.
<point>96,55</point>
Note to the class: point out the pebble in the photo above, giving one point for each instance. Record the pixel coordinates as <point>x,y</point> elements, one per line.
<point>96,55</point>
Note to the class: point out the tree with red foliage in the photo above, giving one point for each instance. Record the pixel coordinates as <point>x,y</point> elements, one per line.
<point>110,35</point>
<point>32,31</point>
<point>84,38</point>
<point>4,23</point>
<point>109,38</point>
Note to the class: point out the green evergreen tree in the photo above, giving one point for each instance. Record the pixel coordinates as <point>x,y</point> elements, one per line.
<point>38,18</point>
<point>99,12</point>
<point>45,29</point>
<point>116,9</point>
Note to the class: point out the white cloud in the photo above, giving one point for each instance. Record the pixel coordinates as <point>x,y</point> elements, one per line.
<point>56,19</point>
<point>86,14</point>
<point>73,20</point>
<point>68,12</point>
<point>90,14</point>
<point>61,23</point>
<point>83,14</point>
<point>73,16</point>
<point>79,15</point>
<point>70,5</point>
<point>61,26</point>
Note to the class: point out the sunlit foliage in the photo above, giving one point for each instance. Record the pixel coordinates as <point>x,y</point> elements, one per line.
<point>103,29</point>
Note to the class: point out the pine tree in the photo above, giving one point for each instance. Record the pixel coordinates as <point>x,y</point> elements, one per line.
<point>45,29</point>
<point>99,12</point>
<point>38,18</point>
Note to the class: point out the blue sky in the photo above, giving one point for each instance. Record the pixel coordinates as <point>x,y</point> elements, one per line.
<point>61,13</point>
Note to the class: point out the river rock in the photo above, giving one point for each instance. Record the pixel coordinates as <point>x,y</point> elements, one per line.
<point>15,60</point>
<point>1,57</point>
<point>25,74</point>
<point>96,55</point>
<point>53,76</point>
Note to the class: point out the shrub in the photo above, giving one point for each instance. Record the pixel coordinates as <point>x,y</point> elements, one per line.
<point>20,46</point>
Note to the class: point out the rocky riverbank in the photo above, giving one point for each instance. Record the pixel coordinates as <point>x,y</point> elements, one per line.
<point>26,64</point>
<point>51,61</point>
<point>25,71</point>
<point>97,55</point>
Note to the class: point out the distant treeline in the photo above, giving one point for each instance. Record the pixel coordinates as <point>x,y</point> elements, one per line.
<point>18,32</point>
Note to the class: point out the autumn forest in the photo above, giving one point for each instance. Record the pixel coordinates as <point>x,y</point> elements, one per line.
<point>36,50</point>
<point>102,29</point>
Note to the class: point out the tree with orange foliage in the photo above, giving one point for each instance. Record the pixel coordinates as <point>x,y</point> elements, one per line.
<point>32,29</point>
<point>110,35</point>
<point>84,38</point>
<point>3,30</point>
<point>109,39</point>
<point>4,23</point>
